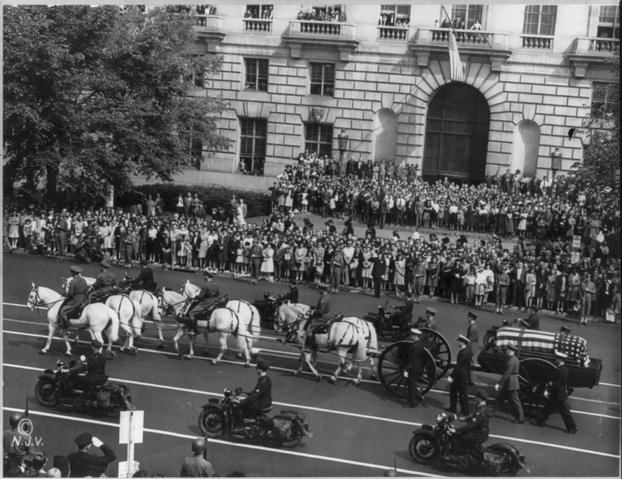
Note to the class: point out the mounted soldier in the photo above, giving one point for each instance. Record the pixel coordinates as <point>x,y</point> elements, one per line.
<point>104,286</point>
<point>207,299</point>
<point>76,298</point>
<point>145,279</point>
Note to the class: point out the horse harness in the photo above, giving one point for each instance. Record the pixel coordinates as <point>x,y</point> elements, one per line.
<point>240,301</point>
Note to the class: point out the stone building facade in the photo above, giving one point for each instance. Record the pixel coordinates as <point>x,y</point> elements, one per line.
<point>295,77</point>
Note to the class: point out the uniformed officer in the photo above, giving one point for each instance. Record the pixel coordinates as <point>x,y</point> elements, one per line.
<point>94,366</point>
<point>206,298</point>
<point>428,322</point>
<point>475,431</point>
<point>144,280</point>
<point>104,285</point>
<point>459,377</point>
<point>76,297</point>
<point>414,369</point>
<point>508,385</point>
<point>260,397</point>
<point>320,316</point>
<point>472,334</point>
<point>558,396</point>
<point>405,316</point>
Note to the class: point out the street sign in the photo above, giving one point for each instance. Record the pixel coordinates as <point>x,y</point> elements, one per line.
<point>131,427</point>
<point>123,469</point>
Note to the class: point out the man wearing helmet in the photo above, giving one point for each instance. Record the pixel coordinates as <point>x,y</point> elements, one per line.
<point>14,443</point>
<point>197,465</point>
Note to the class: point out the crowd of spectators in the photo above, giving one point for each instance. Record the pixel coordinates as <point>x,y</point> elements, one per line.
<point>329,14</point>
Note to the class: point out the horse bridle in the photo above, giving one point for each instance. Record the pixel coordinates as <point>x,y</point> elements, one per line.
<point>39,302</point>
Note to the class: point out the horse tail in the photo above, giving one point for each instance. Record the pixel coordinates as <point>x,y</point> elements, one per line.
<point>113,317</point>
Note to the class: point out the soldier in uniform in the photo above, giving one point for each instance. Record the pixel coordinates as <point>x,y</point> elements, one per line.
<point>428,322</point>
<point>207,297</point>
<point>405,316</point>
<point>104,286</point>
<point>508,385</point>
<point>415,368</point>
<point>197,465</point>
<point>260,397</point>
<point>94,366</point>
<point>320,316</point>
<point>76,297</point>
<point>558,397</point>
<point>459,377</point>
<point>145,278</point>
<point>475,431</point>
<point>472,334</point>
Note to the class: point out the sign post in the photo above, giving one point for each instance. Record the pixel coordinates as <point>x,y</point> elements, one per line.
<point>130,433</point>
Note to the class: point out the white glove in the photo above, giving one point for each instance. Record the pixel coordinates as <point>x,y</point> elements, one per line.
<point>97,442</point>
<point>405,374</point>
<point>546,394</point>
<point>496,387</point>
<point>450,380</point>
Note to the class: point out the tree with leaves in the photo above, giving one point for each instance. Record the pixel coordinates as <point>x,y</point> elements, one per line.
<point>95,95</point>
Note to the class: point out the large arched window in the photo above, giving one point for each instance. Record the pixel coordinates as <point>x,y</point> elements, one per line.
<point>385,135</point>
<point>525,147</point>
<point>456,135</point>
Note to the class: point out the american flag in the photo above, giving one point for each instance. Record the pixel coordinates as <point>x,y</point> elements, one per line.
<point>456,66</point>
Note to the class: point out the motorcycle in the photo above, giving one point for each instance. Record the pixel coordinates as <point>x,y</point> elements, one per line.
<point>432,444</point>
<point>51,391</point>
<point>223,416</point>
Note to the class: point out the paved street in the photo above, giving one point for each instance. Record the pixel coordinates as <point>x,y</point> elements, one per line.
<point>358,431</point>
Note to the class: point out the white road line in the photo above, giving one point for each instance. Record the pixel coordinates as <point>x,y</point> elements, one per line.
<point>336,412</point>
<point>231,444</point>
<point>273,352</point>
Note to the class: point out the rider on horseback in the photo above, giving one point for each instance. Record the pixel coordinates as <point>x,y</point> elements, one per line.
<point>319,317</point>
<point>145,279</point>
<point>104,286</point>
<point>76,298</point>
<point>208,297</point>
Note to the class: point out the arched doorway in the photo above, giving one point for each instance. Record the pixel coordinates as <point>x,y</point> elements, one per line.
<point>385,135</point>
<point>525,148</point>
<point>456,135</point>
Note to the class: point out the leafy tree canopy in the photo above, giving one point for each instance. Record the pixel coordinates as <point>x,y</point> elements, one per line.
<point>94,95</point>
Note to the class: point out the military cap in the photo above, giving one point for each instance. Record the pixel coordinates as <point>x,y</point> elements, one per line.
<point>83,439</point>
<point>104,264</point>
<point>96,344</point>
<point>512,346</point>
<point>415,331</point>
<point>464,339</point>
<point>75,269</point>
<point>263,365</point>
<point>430,310</point>
<point>472,315</point>
<point>480,393</point>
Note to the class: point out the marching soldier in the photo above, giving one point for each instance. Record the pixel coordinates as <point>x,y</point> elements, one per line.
<point>508,385</point>
<point>414,369</point>
<point>459,377</point>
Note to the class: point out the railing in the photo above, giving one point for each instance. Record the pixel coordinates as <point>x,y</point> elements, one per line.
<point>470,38</point>
<point>538,42</point>
<point>392,33</point>
<point>257,25</point>
<point>208,22</point>
<point>597,45</point>
<point>311,28</point>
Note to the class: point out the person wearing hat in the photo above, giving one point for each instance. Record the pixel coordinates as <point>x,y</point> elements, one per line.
<point>472,334</point>
<point>84,464</point>
<point>475,432</point>
<point>260,398</point>
<point>414,371</point>
<point>459,377</point>
<point>144,280</point>
<point>197,465</point>
<point>508,385</point>
<point>206,298</point>
<point>77,291</point>
<point>428,322</point>
<point>94,366</point>
<point>105,284</point>
<point>557,396</point>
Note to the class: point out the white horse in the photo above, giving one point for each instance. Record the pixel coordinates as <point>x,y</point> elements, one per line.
<point>350,335</point>
<point>128,310</point>
<point>96,318</point>
<point>288,314</point>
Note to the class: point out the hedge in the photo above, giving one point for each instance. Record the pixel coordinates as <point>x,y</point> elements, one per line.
<point>258,204</point>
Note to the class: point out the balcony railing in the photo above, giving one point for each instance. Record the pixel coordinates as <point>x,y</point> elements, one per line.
<point>538,42</point>
<point>211,23</point>
<point>469,38</point>
<point>312,28</point>
<point>257,25</point>
<point>597,45</point>
<point>393,33</point>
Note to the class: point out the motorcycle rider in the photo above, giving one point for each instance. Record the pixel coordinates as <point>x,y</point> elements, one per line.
<point>104,286</point>
<point>475,432</point>
<point>260,398</point>
<point>95,367</point>
<point>206,298</point>
<point>76,297</point>
<point>144,280</point>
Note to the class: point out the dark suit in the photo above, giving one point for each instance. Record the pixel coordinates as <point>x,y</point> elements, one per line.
<point>558,399</point>
<point>460,375</point>
<point>261,397</point>
<point>196,466</point>
<point>85,464</point>
<point>416,353</point>
<point>518,280</point>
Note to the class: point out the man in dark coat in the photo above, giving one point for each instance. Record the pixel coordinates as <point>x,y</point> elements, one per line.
<point>414,369</point>
<point>104,285</point>
<point>378,269</point>
<point>472,334</point>
<point>533,321</point>
<point>508,385</point>
<point>459,377</point>
<point>558,397</point>
<point>145,278</point>
<point>204,300</point>
<point>95,367</point>
<point>260,398</point>
<point>292,294</point>
<point>475,431</point>
<point>83,464</point>
<point>76,297</point>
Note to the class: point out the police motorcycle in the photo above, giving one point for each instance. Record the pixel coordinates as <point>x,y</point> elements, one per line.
<point>109,398</point>
<point>223,416</point>
<point>436,444</point>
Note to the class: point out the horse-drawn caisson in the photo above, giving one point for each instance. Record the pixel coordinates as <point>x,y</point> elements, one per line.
<point>536,351</point>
